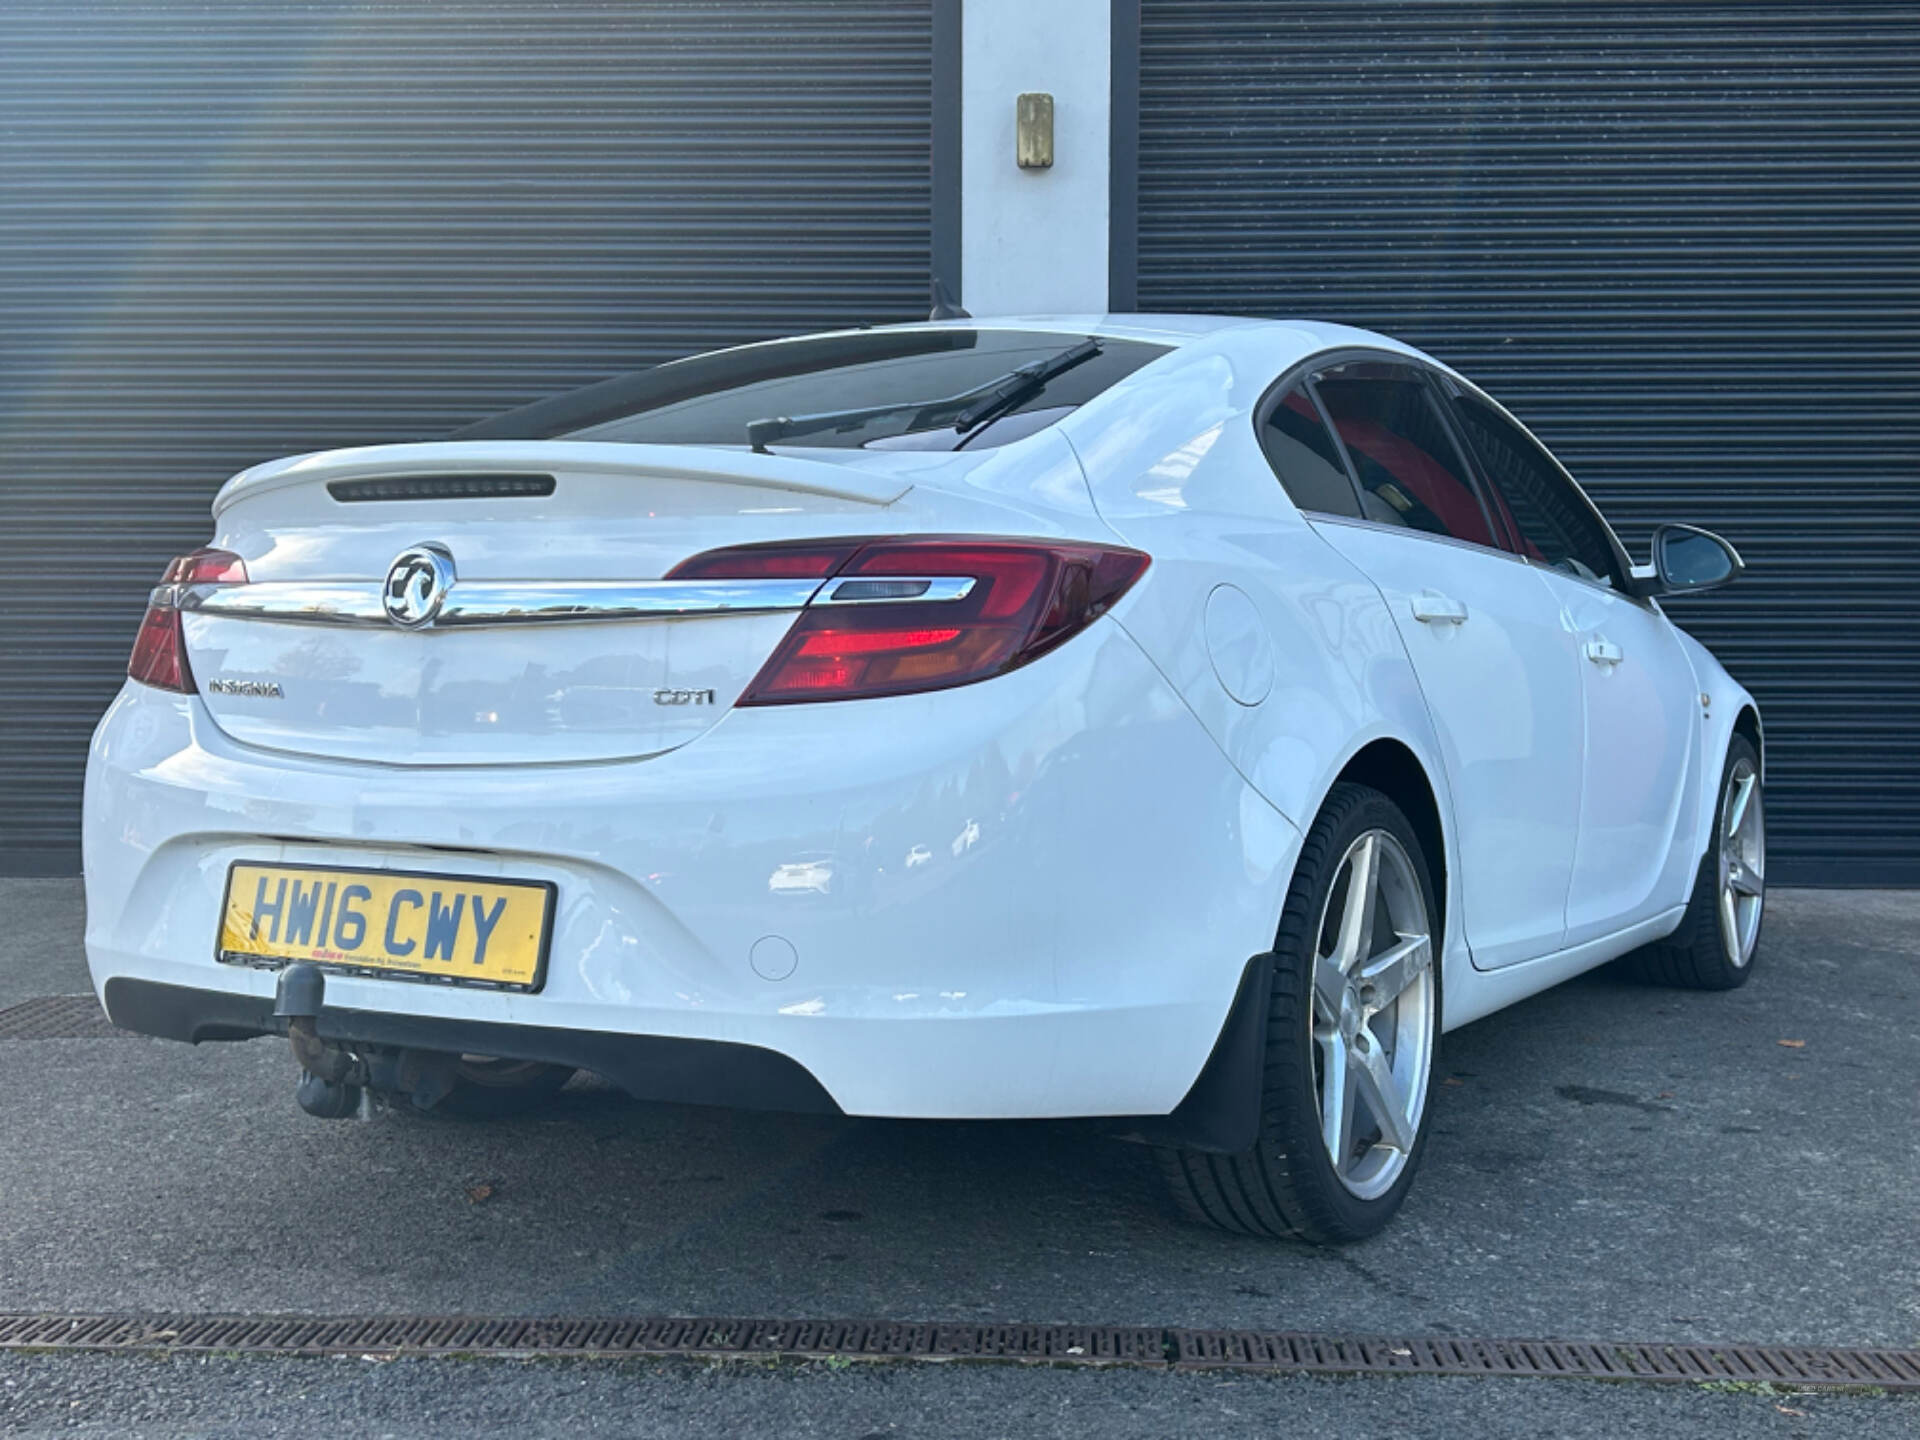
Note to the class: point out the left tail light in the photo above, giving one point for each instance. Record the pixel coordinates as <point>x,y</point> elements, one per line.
<point>902,615</point>
<point>206,566</point>
<point>159,654</point>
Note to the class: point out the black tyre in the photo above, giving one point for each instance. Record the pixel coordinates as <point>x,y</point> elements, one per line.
<point>486,1089</point>
<point>1719,936</point>
<point>1352,1036</point>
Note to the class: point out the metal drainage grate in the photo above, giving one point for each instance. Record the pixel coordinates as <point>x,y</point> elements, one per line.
<point>59,1017</point>
<point>1791,1367</point>
<point>428,1335</point>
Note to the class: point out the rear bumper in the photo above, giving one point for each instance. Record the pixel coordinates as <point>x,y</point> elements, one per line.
<point>1029,897</point>
<point>651,1067</point>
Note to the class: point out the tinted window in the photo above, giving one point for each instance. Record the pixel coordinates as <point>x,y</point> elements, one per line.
<point>1305,458</point>
<point>1409,469</point>
<point>1550,519</point>
<point>710,399</point>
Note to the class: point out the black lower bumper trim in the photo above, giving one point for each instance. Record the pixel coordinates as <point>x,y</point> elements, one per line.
<point>649,1067</point>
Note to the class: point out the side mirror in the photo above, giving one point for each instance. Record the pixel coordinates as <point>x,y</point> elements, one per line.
<point>1687,559</point>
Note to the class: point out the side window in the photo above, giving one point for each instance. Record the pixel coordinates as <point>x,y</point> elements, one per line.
<point>1410,471</point>
<point>1548,517</point>
<point>1305,458</point>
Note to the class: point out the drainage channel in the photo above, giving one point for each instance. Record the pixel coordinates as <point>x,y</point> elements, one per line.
<point>79,1017</point>
<point>59,1017</point>
<point>1786,1366</point>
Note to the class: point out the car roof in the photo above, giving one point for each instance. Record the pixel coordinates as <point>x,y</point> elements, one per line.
<point>1156,329</point>
<point>1175,331</point>
<point>1163,329</point>
<point>1284,340</point>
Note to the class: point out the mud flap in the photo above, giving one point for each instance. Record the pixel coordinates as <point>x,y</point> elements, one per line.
<point>1221,1111</point>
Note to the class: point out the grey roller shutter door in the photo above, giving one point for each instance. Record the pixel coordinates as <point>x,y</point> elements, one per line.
<point>1678,239</point>
<point>234,231</point>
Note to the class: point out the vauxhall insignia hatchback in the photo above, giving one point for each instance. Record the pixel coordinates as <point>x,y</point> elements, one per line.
<point>1181,721</point>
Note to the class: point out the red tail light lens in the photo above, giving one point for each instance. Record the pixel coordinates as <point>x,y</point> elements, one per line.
<point>1025,598</point>
<point>159,654</point>
<point>206,567</point>
<point>782,560</point>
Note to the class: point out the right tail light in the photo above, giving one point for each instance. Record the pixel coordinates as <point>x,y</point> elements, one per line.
<point>869,632</point>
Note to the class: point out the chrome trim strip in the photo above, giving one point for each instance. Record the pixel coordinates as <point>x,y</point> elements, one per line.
<point>521,601</point>
<point>931,588</point>
<point>500,602</point>
<point>313,602</point>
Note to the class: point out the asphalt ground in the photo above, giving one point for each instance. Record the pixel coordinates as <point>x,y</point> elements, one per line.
<point>125,1396</point>
<point>1609,1161</point>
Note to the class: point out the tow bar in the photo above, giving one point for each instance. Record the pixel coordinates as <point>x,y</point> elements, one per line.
<point>335,1074</point>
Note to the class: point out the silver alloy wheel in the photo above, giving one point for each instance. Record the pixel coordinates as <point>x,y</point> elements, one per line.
<point>1743,862</point>
<point>1373,1014</point>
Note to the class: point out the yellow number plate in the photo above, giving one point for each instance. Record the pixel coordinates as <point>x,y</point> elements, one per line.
<point>430,927</point>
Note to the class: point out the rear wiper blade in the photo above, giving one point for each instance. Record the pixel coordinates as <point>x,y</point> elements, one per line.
<point>1018,386</point>
<point>762,433</point>
<point>966,411</point>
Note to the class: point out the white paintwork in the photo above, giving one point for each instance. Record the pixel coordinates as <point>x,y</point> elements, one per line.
<point>1034,240</point>
<point>1642,739</point>
<point>1030,896</point>
<point>1239,645</point>
<point>1493,990</point>
<point>1021,969</point>
<point>679,472</point>
<point>535,693</point>
<point>1723,699</point>
<point>1501,675</point>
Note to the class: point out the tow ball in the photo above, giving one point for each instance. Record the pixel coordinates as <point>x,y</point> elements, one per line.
<point>335,1074</point>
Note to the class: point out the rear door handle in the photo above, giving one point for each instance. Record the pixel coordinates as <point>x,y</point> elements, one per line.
<point>1604,652</point>
<point>1430,607</point>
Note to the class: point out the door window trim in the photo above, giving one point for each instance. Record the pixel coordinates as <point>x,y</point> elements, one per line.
<point>1322,517</point>
<point>1271,399</point>
<point>1461,456</point>
<point>1298,374</point>
<point>1497,516</point>
<point>1622,566</point>
<point>1302,374</point>
<point>1306,387</point>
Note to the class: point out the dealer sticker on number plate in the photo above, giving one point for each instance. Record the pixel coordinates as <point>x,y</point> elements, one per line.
<point>441,927</point>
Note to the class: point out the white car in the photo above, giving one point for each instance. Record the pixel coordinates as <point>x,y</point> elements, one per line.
<point>1180,720</point>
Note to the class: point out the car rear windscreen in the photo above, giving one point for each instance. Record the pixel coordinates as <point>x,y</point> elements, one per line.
<point>711,399</point>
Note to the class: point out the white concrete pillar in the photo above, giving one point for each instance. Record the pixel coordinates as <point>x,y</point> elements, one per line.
<point>1034,241</point>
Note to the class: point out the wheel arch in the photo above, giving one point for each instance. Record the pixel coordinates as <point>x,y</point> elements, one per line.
<point>1727,709</point>
<point>1220,1113</point>
<point>1391,767</point>
<point>1747,723</point>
